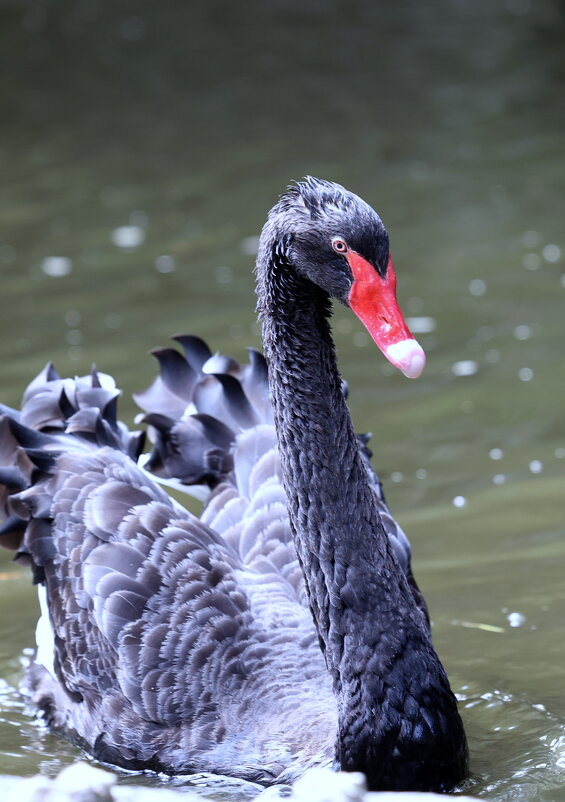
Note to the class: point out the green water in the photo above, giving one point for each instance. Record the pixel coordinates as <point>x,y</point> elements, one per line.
<point>185,121</point>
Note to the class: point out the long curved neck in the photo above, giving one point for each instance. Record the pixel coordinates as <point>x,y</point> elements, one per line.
<point>334,520</point>
<point>364,610</point>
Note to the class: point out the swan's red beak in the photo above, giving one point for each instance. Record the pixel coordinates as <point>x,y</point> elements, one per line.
<point>373,299</point>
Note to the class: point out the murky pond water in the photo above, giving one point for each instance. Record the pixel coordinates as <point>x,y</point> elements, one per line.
<point>141,148</point>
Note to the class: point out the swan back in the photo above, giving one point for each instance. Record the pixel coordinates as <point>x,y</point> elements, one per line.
<point>160,618</point>
<point>176,646</point>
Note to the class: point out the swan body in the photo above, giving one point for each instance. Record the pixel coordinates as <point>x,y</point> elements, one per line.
<point>283,628</point>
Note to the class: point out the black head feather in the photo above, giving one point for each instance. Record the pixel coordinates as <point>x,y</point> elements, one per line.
<point>306,220</point>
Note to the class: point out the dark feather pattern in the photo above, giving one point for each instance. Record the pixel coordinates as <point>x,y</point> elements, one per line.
<point>281,629</point>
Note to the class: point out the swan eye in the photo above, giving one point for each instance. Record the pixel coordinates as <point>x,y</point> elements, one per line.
<point>339,245</point>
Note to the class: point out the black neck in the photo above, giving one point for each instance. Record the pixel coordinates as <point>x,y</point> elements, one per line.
<point>363,608</point>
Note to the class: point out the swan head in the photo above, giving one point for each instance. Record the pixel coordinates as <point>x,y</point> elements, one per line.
<point>337,241</point>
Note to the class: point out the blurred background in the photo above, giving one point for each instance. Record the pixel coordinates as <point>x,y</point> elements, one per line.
<point>141,147</point>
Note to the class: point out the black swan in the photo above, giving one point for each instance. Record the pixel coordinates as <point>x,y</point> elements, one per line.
<point>255,641</point>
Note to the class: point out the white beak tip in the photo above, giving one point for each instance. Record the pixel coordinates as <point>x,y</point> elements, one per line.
<point>408,356</point>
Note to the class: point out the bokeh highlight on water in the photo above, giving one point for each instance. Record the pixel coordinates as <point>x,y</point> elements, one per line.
<point>142,145</point>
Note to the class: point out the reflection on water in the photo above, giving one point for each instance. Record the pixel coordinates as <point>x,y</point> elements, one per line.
<point>141,149</point>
